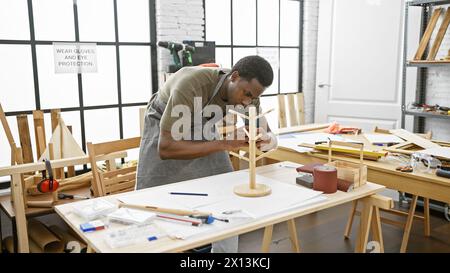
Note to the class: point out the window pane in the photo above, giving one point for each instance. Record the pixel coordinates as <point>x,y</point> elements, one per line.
<point>289,70</point>
<point>218,21</point>
<point>289,24</point>
<point>223,57</point>
<point>244,22</point>
<point>96,20</point>
<point>134,22</point>
<point>240,52</point>
<point>268,22</point>
<point>16,78</point>
<point>101,88</point>
<point>102,125</point>
<point>5,155</point>
<point>131,127</point>
<point>14,23</point>
<point>56,90</point>
<point>268,103</point>
<point>135,73</point>
<point>271,55</point>
<point>53,20</point>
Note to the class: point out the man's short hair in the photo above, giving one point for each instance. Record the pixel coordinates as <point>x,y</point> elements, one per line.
<point>254,67</point>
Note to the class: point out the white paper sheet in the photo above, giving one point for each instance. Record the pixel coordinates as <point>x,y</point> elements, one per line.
<point>383,138</point>
<point>440,152</point>
<point>221,197</point>
<point>312,138</point>
<point>292,143</point>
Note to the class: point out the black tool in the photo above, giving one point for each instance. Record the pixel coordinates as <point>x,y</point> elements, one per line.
<point>174,48</point>
<point>70,196</point>
<point>443,173</point>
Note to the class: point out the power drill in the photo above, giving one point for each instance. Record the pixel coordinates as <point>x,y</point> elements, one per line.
<point>174,48</point>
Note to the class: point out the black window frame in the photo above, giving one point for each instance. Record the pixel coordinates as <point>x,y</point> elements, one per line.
<point>279,46</point>
<point>81,108</point>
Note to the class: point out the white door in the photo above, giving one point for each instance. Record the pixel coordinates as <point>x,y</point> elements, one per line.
<point>359,65</point>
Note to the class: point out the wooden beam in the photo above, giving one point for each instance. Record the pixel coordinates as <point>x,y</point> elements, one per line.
<point>293,119</point>
<point>282,123</point>
<point>39,166</point>
<point>302,128</point>
<point>301,108</point>
<point>25,139</point>
<point>419,141</point>
<point>55,117</point>
<point>427,34</point>
<point>8,133</point>
<point>70,169</point>
<point>38,118</point>
<point>19,210</point>
<point>440,35</point>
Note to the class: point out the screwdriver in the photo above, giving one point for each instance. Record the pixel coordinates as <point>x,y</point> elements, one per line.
<point>70,196</point>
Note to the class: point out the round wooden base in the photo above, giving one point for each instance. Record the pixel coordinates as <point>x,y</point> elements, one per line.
<point>245,191</point>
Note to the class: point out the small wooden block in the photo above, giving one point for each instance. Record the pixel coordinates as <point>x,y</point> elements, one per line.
<point>259,191</point>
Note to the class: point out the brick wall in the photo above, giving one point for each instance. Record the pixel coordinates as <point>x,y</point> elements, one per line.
<point>310,29</point>
<point>177,20</point>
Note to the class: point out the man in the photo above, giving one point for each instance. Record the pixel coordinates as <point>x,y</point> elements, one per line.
<point>164,157</point>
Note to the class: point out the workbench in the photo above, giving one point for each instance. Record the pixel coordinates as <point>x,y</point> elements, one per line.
<point>367,195</point>
<point>382,172</point>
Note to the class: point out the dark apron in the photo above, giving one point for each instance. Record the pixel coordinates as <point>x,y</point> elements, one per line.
<point>153,171</point>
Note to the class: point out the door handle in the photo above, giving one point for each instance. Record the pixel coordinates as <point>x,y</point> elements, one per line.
<point>322,85</point>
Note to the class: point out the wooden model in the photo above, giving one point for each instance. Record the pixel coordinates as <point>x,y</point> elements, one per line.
<point>252,189</point>
<point>356,173</point>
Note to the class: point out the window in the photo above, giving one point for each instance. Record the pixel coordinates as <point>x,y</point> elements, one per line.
<point>99,106</point>
<point>268,28</point>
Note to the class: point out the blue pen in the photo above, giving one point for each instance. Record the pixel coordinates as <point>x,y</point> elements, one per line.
<point>152,238</point>
<point>189,193</point>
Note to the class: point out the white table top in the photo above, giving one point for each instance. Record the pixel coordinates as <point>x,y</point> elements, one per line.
<point>281,172</point>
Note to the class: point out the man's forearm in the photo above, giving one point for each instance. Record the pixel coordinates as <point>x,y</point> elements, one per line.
<point>185,149</point>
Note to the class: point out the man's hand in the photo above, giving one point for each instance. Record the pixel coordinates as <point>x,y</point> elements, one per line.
<point>268,140</point>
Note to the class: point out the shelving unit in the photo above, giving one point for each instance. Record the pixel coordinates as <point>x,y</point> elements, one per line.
<point>421,65</point>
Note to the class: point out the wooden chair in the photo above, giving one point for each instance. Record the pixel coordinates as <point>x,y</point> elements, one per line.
<point>295,110</point>
<point>112,180</point>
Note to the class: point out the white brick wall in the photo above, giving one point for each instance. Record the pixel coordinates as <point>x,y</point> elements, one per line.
<point>310,29</point>
<point>438,89</point>
<point>177,20</point>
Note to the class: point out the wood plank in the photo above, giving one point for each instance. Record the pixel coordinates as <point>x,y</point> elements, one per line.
<point>117,145</point>
<point>348,227</point>
<point>40,138</point>
<point>293,236</point>
<point>25,139</point>
<point>125,186</point>
<point>377,234</point>
<point>6,128</point>
<point>301,108</point>
<point>54,113</point>
<point>427,34</point>
<point>39,166</point>
<point>301,128</point>
<point>409,221</point>
<point>119,179</point>
<point>440,35</point>
<point>420,141</point>
<point>281,112</point>
<point>19,210</point>
<point>364,226</point>
<point>293,119</point>
<point>70,169</point>
<point>38,118</point>
<point>267,239</point>
<point>119,172</point>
